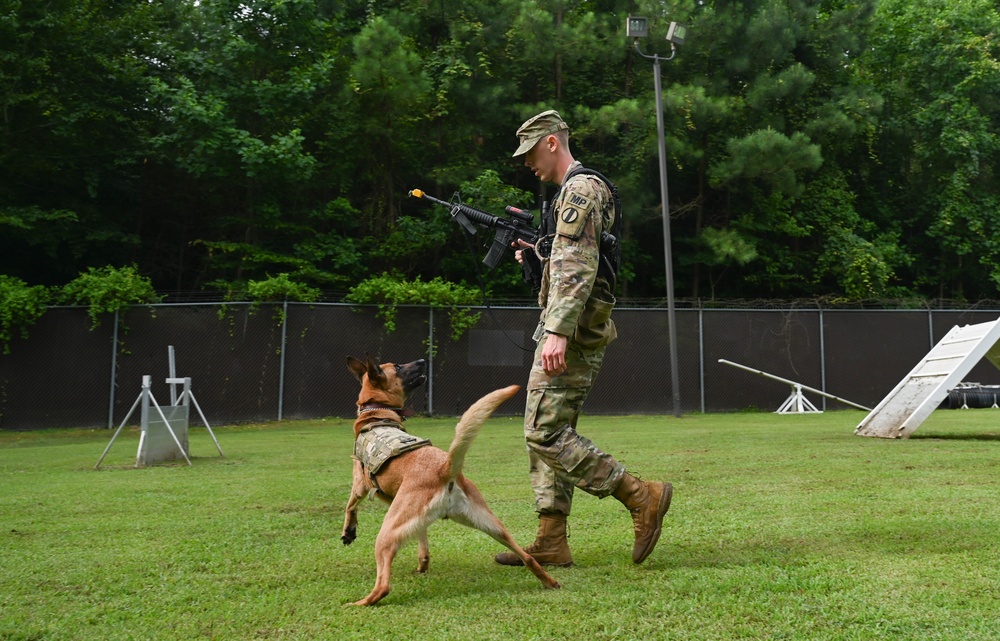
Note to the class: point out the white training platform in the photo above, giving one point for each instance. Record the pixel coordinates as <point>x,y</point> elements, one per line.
<point>922,390</point>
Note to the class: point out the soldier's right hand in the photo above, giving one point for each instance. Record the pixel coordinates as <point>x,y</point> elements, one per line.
<point>519,246</point>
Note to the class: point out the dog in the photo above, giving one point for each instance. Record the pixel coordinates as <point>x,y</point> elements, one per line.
<point>420,482</point>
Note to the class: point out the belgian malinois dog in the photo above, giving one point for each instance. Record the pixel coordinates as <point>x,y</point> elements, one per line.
<point>421,483</point>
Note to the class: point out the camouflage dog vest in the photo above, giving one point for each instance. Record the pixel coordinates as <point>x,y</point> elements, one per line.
<point>381,441</point>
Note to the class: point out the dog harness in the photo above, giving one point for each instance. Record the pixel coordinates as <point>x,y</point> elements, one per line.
<point>381,441</point>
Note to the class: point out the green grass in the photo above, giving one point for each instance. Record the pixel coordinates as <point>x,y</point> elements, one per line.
<point>782,527</point>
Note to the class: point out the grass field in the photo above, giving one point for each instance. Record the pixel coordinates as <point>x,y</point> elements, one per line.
<point>782,527</point>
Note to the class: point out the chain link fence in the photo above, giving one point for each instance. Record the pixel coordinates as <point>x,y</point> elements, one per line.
<point>252,363</point>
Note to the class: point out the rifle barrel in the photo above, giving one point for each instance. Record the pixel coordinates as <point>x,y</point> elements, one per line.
<point>418,193</point>
<point>483,218</point>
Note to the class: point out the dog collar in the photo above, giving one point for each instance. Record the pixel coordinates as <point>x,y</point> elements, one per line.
<point>404,413</point>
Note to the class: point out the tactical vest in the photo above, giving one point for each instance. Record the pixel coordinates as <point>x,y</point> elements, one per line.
<point>381,441</point>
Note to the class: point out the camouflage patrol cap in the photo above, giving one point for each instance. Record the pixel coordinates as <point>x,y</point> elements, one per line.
<point>536,128</point>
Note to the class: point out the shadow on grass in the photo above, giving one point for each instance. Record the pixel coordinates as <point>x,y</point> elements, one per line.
<point>895,535</point>
<point>985,436</point>
<point>453,580</point>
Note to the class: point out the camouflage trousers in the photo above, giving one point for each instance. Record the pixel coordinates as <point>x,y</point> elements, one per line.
<point>560,459</point>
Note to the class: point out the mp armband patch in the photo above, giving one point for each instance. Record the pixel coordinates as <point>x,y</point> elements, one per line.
<point>573,215</point>
<point>570,222</point>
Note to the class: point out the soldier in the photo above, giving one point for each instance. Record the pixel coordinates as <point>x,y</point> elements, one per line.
<point>574,329</point>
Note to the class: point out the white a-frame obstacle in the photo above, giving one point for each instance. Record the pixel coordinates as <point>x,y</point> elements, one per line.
<point>164,435</point>
<point>922,390</point>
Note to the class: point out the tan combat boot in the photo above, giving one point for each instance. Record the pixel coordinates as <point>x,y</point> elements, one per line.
<point>550,546</point>
<point>648,501</point>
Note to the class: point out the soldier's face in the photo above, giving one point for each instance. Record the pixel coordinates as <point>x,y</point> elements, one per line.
<point>542,159</point>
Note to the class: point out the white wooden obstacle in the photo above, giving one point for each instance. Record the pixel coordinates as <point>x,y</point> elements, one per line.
<point>921,391</point>
<point>796,403</point>
<point>164,435</point>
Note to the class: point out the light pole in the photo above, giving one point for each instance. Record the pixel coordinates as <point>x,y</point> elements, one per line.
<point>637,27</point>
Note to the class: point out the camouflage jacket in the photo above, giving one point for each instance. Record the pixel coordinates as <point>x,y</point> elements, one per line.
<point>574,301</point>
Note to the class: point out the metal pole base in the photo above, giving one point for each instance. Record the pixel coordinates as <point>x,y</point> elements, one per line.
<point>798,404</point>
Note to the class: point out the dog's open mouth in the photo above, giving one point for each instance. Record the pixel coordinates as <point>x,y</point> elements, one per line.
<point>413,374</point>
<point>414,381</point>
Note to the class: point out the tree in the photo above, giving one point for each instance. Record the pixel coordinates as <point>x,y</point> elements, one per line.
<point>240,96</point>
<point>766,108</point>
<point>71,134</point>
<point>816,147</point>
<point>938,145</point>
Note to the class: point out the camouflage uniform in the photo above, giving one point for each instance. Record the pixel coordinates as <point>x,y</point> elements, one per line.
<point>576,300</point>
<point>577,304</point>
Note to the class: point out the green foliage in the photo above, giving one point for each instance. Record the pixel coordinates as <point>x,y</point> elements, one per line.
<point>20,307</point>
<point>771,157</point>
<point>32,219</point>
<point>281,288</point>
<point>861,259</point>
<point>863,268</point>
<point>389,291</point>
<point>247,139</point>
<point>488,192</point>
<point>728,245</point>
<point>71,90</point>
<point>392,93</point>
<point>940,144</point>
<point>106,290</point>
<point>276,289</point>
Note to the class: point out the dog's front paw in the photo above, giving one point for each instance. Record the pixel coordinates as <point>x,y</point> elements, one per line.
<point>349,535</point>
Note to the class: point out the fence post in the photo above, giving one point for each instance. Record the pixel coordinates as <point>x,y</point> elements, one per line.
<point>822,355</point>
<point>114,372</point>
<point>701,355</point>
<point>930,328</point>
<point>430,361</point>
<point>281,362</point>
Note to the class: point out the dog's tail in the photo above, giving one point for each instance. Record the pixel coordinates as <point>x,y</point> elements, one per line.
<point>468,426</point>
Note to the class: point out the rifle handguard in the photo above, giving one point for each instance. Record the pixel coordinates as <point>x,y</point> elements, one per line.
<point>518,226</point>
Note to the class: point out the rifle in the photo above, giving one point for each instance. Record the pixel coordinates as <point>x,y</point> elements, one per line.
<point>509,230</point>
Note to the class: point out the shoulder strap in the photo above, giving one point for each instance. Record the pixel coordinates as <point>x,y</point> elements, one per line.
<point>548,208</point>
<point>616,225</point>
<point>610,246</point>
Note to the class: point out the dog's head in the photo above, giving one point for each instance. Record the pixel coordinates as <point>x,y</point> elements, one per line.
<point>387,383</point>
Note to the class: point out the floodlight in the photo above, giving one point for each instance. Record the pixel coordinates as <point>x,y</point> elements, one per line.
<point>676,33</point>
<point>636,27</point>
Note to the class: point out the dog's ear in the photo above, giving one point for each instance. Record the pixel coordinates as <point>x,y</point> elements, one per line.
<point>357,367</point>
<point>375,374</point>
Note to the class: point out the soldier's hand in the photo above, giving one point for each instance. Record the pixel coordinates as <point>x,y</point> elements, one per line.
<point>554,354</point>
<point>519,245</point>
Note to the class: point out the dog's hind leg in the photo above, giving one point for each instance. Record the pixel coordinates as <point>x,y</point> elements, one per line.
<point>474,512</point>
<point>529,562</point>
